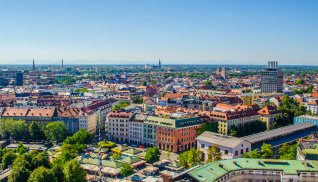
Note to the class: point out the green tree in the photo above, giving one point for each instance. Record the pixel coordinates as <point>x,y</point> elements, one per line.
<point>213,127</point>
<point>120,105</point>
<point>288,152</point>
<point>300,81</point>
<point>207,83</point>
<point>42,174</point>
<point>8,158</point>
<point>79,139</point>
<point>137,100</point>
<point>55,131</point>
<point>36,132</point>
<point>116,156</point>
<point>21,149</point>
<point>41,159</point>
<point>19,130</point>
<point>152,154</point>
<point>214,153</point>
<point>20,169</point>
<point>126,170</point>
<point>252,154</point>
<point>106,144</point>
<point>190,158</point>
<point>73,172</point>
<point>266,151</point>
<point>144,83</point>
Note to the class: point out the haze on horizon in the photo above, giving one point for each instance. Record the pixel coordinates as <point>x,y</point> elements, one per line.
<point>177,32</point>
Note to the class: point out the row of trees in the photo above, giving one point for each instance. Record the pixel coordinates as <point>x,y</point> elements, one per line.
<point>286,152</point>
<point>247,129</point>
<point>24,131</point>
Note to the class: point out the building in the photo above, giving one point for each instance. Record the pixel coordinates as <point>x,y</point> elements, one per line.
<point>306,118</point>
<point>230,147</point>
<point>272,79</point>
<point>136,129</point>
<point>19,79</point>
<point>268,114</point>
<point>149,134</point>
<point>226,120</point>
<point>117,125</point>
<point>253,170</point>
<point>312,106</point>
<point>307,150</point>
<point>173,134</point>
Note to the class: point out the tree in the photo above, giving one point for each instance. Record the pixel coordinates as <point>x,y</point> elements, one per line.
<point>214,154</point>
<point>288,152</point>
<point>106,144</point>
<point>79,139</point>
<point>144,83</point>
<point>152,154</point>
<point>19,174</point>
<point>73,172</point>
<point>21,149</point>
<point>20,130</point>
<point>126,170</point>
<point>266,151</point>
<point>252,154</point>
<point>8,158</point>
<point>207,83</point>
<point>36,132</point>
<point>21,168</point>
<point>116,156</point>
<point>120,105</point>
<point>55,131</point>
<point>213,127</point>
<point>137,100</point>
<point>300,81</point>
<point>190,158</point>
<point>41,159</point>
<point>42,174</point>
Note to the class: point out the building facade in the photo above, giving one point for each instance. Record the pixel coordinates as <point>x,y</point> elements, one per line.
<point>272,79</point>
<point>117,125</point>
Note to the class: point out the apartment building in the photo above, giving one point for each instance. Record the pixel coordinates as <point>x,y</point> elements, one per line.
<point>268,114</point>
<point>312,106</point>
<point>174,134</point>
<point>136,129</point>
<point>117,126</point>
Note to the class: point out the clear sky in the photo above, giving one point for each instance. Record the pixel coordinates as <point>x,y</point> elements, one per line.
<point>142,31</point>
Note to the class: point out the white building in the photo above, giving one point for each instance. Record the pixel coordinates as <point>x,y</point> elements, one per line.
<point>230,147</point>
<point>136,129</point>
<point>313,106</point>
<point>117,126</point>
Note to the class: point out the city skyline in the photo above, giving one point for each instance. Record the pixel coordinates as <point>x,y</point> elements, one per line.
<point>187,32</point>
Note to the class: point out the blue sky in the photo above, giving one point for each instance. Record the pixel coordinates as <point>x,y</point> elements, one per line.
<point>142,31</point>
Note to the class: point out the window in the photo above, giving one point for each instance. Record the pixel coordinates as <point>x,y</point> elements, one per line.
<point>236,152</point>
<point>226,151</point>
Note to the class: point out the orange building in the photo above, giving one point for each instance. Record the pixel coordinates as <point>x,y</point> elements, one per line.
<point>176,135</point>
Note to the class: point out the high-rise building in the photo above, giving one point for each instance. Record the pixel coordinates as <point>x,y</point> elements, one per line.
<point>272,78</point>
<point>19,79</point>
<point>159,64</point>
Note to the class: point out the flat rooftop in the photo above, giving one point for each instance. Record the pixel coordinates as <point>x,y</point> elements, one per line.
<point>258,137</point>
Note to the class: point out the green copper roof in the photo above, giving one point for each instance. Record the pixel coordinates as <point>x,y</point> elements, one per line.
<point>215,170</point>
<point>173,123</point>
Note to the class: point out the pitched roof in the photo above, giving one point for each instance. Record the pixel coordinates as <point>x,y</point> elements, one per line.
<point>219,139</point>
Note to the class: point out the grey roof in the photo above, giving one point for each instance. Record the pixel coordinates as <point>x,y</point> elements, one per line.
<point>277,132</point>
<point>219,139</point>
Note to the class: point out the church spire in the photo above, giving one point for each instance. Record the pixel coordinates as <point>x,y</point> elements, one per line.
<point>159,64</point>
<point>33,66</point>
<point>62,63</point>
